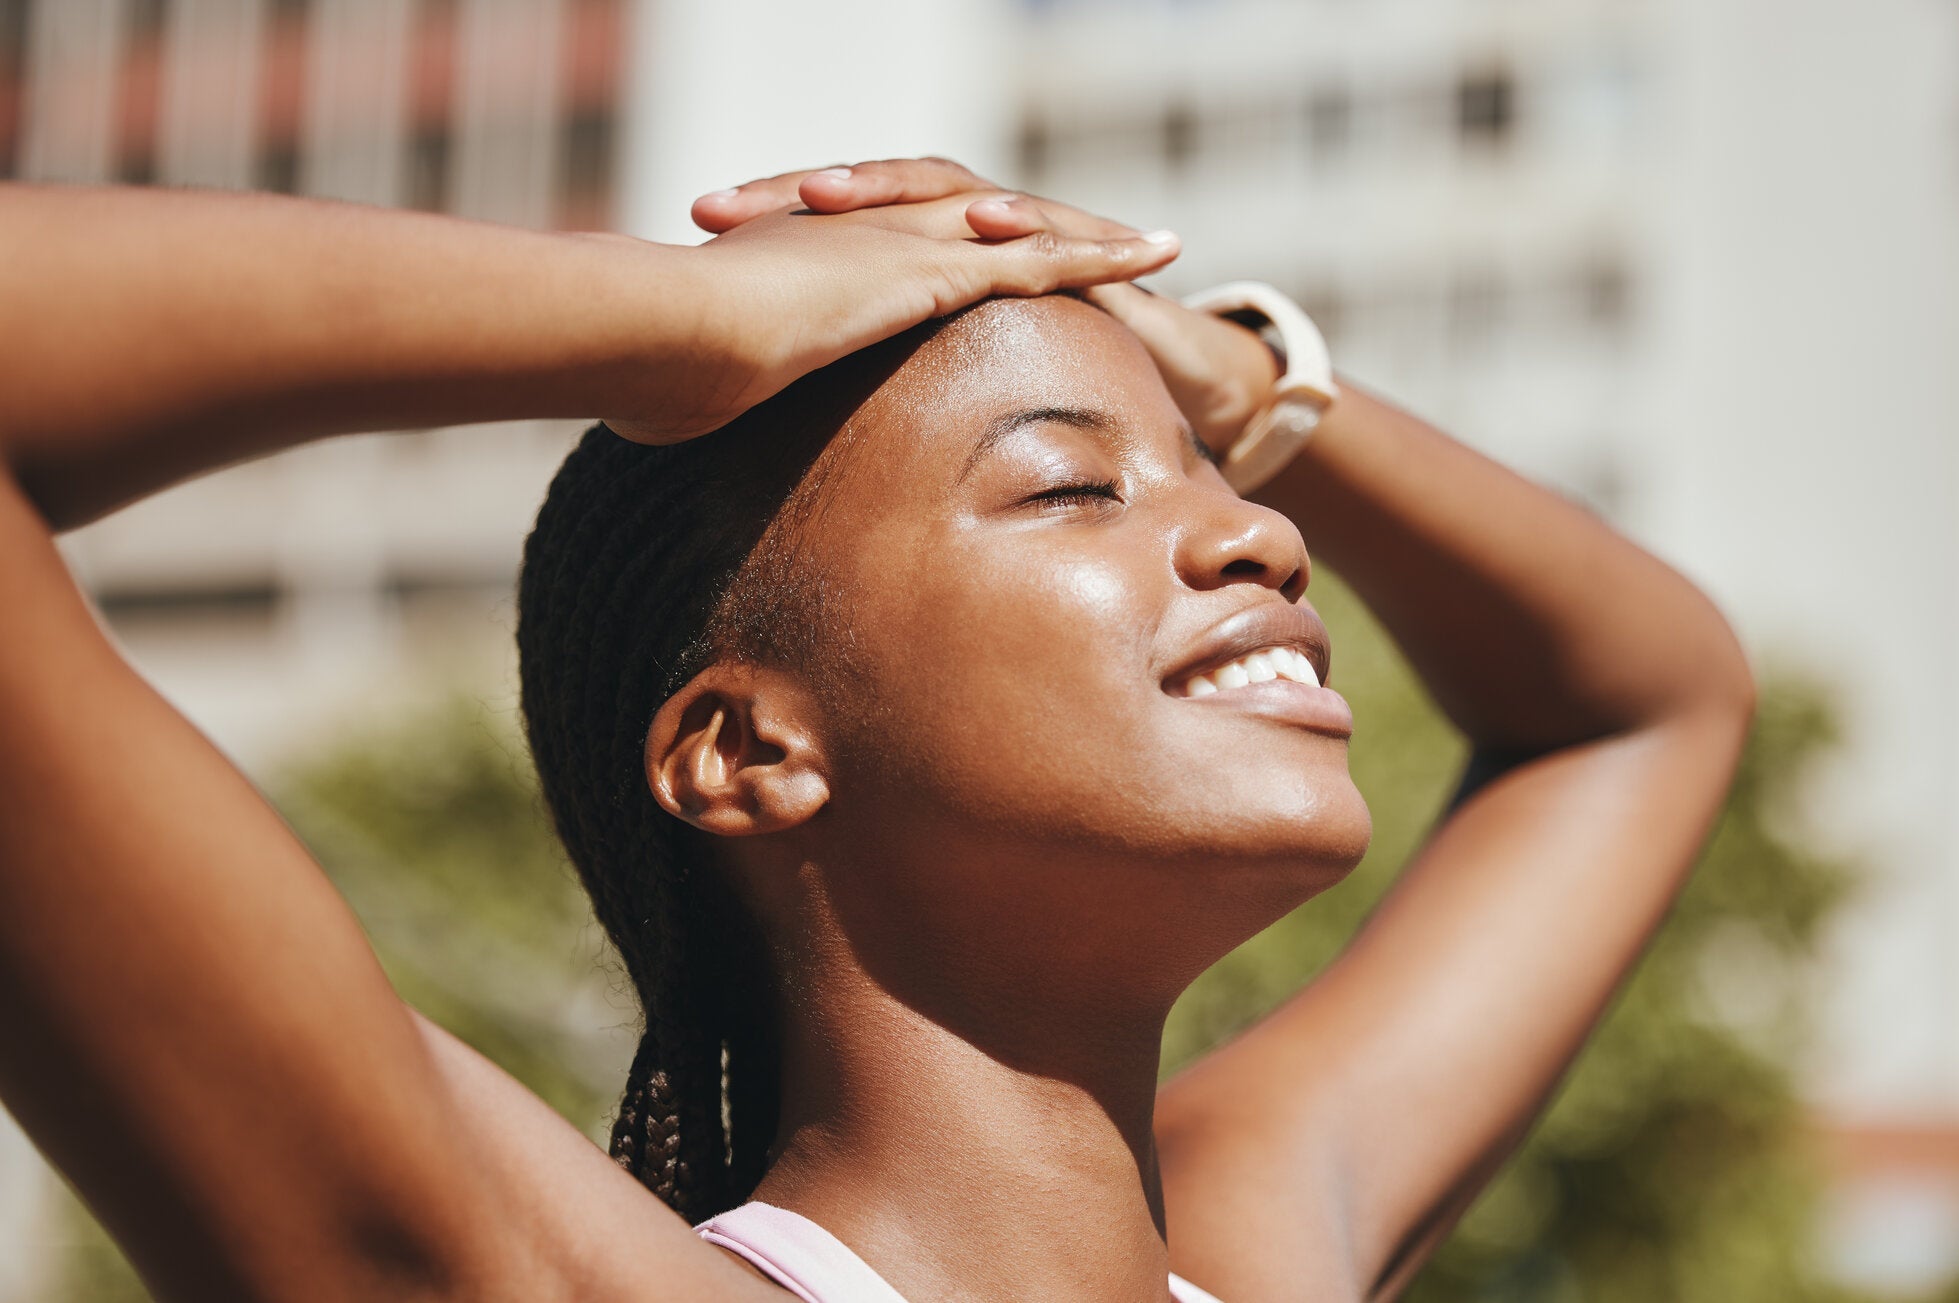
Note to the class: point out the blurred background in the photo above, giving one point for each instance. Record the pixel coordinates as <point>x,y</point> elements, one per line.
<point>1693,262</point>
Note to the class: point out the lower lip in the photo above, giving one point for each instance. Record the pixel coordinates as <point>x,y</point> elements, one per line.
<point>1321,710</point>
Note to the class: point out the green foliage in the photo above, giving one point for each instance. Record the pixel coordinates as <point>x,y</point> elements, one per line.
<point>1671,1166</point>
<point>435,833</point>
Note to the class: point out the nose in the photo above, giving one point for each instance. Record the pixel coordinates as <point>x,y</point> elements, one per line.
<point>1230,540</point>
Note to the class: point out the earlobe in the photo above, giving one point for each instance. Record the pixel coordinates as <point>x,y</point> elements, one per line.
<point>733,753</point>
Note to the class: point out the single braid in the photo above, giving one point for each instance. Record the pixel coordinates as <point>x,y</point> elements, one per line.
<point>645,565</point>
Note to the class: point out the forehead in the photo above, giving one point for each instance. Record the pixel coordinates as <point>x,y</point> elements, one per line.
<point>1005,356</point>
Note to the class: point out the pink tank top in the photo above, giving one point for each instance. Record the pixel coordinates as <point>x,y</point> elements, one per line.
<point>816,1266</point>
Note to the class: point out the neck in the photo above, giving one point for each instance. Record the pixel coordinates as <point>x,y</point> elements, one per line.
<point>973,1128</point>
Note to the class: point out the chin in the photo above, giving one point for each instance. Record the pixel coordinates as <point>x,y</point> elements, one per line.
<point>1309,850</point>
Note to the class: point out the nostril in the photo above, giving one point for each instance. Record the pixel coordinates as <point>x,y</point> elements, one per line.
<point>1294,587</point>
<point>1244,568</point>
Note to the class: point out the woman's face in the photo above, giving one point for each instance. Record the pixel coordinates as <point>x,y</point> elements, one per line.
<point>1031,558</point>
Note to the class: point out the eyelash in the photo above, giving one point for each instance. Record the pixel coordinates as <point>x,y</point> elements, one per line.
<point>1095,491</point>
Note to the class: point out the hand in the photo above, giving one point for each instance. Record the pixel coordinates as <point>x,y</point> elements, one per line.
<point>794,288</point>
<point>1219,372</point>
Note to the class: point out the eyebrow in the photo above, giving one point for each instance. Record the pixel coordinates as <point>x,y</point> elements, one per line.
<point>1081,418</point>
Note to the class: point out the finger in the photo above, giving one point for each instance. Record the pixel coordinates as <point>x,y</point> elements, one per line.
<point>1180,337</point>
<point>1083,225</point>
<point>1218,372</point>
<point>888,181</point>
<point>723,210</point>
<point>1006,217</point>
<point>1044,262</point>
<point>1130,304</point>
<point>1164,325</point>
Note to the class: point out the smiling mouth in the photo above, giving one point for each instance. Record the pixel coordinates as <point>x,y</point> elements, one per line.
<point>1262,666</point>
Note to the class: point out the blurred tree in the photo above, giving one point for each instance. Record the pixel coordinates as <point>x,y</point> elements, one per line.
<point>1672,1165</point>
<point>436,834</point>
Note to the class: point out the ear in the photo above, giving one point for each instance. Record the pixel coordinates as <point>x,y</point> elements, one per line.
<point>735,752</point>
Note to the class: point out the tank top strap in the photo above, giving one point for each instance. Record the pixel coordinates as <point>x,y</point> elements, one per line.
<point>1185,1292</point>
<point>816,1266</point>
<point>797,1254</point>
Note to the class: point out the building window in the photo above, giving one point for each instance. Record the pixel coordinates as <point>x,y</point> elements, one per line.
<point>1329,121</point>
<point>139,92</point>
<point>13,82</point>
<point>1486,107</point>
<point>588,138</point>
<point>1605,296</point>
<point>1034,147</point>
<point>1179,136</point>
<point>426,185</point>
<point>145,20</point>
<point>282,93</point>
<point>428,165</point>
<point>585,160</point>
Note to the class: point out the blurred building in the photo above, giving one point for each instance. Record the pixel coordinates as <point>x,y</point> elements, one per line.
<point>1695,261</point>
<point>267,598</point>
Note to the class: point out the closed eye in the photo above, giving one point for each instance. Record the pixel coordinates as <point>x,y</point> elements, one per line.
<point>1076,494</point>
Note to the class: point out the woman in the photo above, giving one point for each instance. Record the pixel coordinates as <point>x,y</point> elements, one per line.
<point>869,721</point>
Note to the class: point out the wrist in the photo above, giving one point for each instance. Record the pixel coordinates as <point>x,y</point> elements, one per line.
<point>1296,400</point>
<point>1253,370</point>
<point>665,333</point>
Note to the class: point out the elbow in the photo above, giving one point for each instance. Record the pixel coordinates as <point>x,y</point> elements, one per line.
<point>1697,683</point>
<point>1746,692</point>
<point>1723,679</point>
<point>1710,698</point>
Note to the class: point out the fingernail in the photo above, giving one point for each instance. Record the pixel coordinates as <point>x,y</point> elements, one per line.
<point>840,173</point>
<point>729,193</point>
<point>1161,237</point>
<point>996,207</point>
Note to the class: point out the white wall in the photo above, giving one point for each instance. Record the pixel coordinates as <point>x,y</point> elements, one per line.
<point>723,91</point>
<point>1810,454</point>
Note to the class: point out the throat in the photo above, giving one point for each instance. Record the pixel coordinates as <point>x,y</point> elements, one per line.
<point>962,1171</point>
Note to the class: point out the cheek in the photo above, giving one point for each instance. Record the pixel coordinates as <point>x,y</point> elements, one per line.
<point>1014,689</point>
<point>1003,675</point>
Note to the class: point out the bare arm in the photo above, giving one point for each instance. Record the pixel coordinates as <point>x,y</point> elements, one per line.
<point>196,1031</point>
<point>1607,702</point>
<point>153,334</point>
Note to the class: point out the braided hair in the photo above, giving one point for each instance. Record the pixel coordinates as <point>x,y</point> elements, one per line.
<point>646,565</point>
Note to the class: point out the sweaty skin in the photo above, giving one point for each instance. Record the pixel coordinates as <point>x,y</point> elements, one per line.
<point>988,837</point>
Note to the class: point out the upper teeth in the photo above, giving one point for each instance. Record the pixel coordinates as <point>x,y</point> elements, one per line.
<point>1259,667</point>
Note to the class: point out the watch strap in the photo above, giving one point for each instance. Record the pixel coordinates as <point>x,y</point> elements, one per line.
<point>1300,395</point>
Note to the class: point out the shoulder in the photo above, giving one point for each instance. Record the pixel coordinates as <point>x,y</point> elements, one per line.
<point>1254,1211</point>
<point>572,1220</point>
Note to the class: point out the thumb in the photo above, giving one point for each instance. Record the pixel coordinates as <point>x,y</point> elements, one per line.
<point>1217,371</point>
<point>1165,326</point>
<point>1150,315</point>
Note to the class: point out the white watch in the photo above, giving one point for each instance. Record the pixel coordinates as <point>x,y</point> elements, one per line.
<point>1299,397</point>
